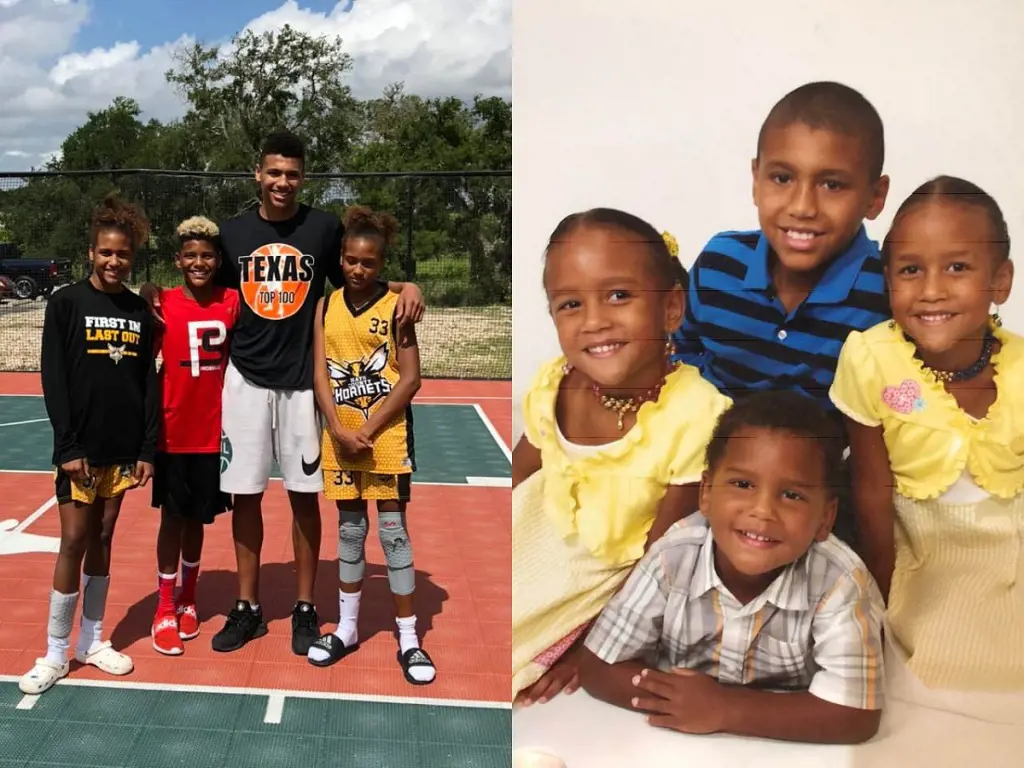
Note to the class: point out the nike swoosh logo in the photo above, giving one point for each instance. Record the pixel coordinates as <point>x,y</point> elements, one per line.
<point>311,468</point>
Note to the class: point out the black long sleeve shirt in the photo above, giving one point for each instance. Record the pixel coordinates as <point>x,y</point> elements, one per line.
<point>99,376</point>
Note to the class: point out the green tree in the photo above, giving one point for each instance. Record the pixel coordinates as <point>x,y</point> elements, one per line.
<point>283,79</point>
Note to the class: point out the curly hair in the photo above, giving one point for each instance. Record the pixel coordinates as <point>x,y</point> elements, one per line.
<point>114,213</point>
<point>197,228</point>
<point>361,221</point>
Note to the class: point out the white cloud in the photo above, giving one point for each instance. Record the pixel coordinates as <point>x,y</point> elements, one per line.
<point>437,47</point>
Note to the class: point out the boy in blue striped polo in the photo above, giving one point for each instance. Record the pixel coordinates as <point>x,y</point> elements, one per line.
<point>771,308</point>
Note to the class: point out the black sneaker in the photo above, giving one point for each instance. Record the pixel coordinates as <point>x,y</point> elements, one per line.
<point>243,624</point>
<point>305,628</point>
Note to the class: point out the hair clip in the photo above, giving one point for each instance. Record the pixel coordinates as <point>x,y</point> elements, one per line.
<point>672,244</point>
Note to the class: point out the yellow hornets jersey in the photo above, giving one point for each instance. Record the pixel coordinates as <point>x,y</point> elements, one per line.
<point>362,364</point>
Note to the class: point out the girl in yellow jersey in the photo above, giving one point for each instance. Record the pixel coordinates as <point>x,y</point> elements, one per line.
<point>367,372</point>
<point>935,414</point>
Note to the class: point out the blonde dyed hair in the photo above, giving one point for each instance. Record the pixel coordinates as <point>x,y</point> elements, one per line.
<point>197,228</point>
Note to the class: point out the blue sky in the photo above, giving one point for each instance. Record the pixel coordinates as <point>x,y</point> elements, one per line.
<point>153,22</point>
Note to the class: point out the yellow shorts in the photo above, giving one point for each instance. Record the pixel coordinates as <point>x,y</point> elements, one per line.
<point>340,485</point>
<point>107,483</point>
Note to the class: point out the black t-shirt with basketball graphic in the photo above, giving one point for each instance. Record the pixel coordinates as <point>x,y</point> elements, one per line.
<point>279,269</point>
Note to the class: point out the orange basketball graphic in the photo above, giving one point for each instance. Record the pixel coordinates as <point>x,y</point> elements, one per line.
<point>275,280</point>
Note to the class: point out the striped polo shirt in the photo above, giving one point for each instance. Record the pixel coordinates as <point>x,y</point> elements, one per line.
<point>743,340</point>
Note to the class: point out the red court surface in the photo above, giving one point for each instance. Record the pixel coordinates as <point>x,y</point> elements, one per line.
<point>462,547</point>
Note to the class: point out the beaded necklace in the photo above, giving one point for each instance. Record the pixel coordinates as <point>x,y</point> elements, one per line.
<point>966,374</point>
<point>623,405</point>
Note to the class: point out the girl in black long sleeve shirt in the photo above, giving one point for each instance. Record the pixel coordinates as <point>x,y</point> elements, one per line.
<point>102,397</point>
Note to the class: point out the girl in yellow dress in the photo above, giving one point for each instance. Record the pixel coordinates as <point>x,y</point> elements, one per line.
<point>935,411</point>
<point>614,443</point>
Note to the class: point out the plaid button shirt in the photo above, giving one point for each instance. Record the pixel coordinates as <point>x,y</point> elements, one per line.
<point>817,627</point>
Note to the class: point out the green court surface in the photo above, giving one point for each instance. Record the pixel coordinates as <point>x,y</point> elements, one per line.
<point>453,443</point>
<point>102,727</point>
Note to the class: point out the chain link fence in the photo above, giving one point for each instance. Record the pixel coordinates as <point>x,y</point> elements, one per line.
<point>455,243</point>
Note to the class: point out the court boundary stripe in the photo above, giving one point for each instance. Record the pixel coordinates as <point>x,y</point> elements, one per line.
<point>502,480</point>
<point>494,432</point>
<point>20,423</point>
<point>20,527</point>
<point>236,691</point>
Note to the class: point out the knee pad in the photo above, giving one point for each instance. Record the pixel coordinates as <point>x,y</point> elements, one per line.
<point>394,540</point>
<point>351,545</point>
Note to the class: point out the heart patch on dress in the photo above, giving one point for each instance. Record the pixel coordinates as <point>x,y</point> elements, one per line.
<point>906,398</point>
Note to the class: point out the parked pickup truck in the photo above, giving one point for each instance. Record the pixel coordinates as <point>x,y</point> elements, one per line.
<point>35,277</point>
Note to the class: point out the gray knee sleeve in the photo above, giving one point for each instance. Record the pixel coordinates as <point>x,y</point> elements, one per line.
<point>62,614</point>
<point>351,546</point>
<point>94,597</point>
<point>394,539</point>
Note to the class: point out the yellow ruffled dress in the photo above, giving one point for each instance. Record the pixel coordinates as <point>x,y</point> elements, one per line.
<point>955,617</point>
<point>580,523</point>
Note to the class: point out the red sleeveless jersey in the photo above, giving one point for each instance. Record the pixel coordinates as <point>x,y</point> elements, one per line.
<point>194,345</point>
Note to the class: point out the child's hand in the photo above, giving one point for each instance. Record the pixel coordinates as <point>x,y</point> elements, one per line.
<point>683,700</point>
<point>563,677</point>
<point>143,472</point>
<point>351,442</point>
<point>151,294</point>
<point>79,471</point>
<point>410,305</point>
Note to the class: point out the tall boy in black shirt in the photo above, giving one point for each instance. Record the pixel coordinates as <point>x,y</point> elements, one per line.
<point>101,394</point>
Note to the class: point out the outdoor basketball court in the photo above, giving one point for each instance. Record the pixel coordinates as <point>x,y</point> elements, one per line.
<point>262,706</point>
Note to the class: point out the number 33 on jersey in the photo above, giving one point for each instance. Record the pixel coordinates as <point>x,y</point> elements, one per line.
<point>194,346</point>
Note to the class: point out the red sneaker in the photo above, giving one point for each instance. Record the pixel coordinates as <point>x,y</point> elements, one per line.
<point>188,621</point>
<point>165,636</point>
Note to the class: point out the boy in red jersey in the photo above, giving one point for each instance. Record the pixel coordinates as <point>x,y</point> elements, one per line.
<point>198,319</point>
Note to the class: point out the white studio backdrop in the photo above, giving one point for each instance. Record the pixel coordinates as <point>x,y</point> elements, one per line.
<point>654,107</point>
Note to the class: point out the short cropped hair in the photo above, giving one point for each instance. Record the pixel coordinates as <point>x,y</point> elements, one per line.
<point>789,412</point>
<point>285,144</point>
<point>832,107</point>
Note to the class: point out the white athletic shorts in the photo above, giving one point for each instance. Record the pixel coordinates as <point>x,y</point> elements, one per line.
<point>258,425</point>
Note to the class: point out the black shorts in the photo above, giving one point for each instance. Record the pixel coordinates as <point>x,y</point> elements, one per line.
<point>187,485</point>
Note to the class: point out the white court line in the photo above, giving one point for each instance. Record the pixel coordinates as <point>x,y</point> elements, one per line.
<point>273,479</point>
<point>275,708</point>
<point>19,423</point>
<point>494,432</point>
<point>35,515</point>
<point>27,701</point>
<point>179,688</point>
<point>490,482</point>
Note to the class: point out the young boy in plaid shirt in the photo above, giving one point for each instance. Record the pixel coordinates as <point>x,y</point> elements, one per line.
<point>751,618</point>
